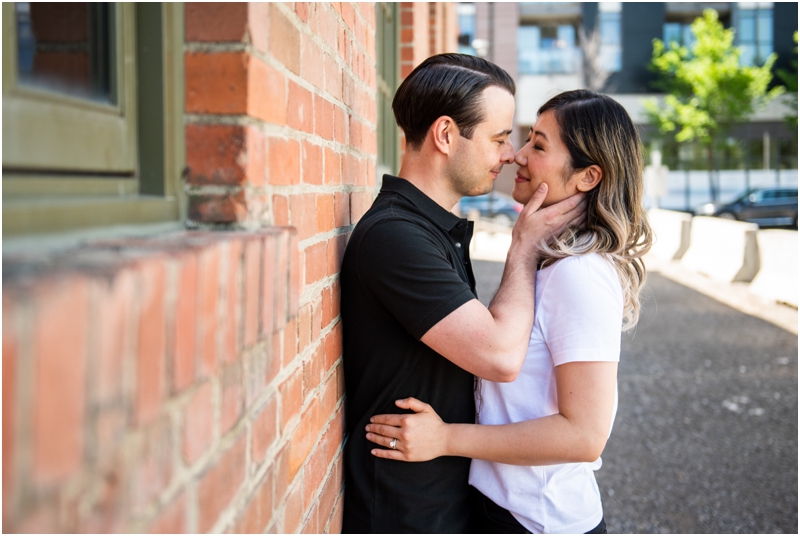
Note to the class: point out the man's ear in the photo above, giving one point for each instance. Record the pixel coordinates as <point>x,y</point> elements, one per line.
<point>444,132</point>
<point>590,178</point>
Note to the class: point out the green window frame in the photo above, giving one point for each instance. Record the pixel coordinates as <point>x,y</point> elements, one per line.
<point>70,163</point>
<point>388,79</point>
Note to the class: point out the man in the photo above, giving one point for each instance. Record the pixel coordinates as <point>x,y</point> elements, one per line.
<point>412,324</point>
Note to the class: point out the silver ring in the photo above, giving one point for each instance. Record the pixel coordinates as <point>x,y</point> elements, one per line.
<point>393,444</point>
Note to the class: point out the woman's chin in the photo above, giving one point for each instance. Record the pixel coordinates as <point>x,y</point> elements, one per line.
<point>520,197</point>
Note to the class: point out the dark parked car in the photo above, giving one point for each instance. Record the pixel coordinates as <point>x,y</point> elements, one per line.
<point>764,206</point>
<point>495,206</point>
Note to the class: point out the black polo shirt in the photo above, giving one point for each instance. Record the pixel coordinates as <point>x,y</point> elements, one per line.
<point>406,267</point>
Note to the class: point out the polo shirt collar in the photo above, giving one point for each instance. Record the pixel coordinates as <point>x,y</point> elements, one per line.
<point>427,206</point>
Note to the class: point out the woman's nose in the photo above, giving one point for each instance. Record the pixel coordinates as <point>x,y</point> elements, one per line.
<point>521,158</point>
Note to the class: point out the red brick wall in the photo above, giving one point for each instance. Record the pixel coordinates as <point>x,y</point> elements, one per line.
<point>426,28</point>
<point>192,381</point>
<point>146,385</point>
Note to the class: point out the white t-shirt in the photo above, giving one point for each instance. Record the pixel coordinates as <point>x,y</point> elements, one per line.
<point>578,317</point>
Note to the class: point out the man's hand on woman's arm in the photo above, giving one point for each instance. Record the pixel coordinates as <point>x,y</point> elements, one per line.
<point>577,433</point>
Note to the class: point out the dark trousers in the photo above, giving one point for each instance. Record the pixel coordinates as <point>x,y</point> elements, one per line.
<point>489,518</point>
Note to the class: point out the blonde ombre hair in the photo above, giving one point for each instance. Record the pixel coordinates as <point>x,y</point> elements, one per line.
<point>598,131</point>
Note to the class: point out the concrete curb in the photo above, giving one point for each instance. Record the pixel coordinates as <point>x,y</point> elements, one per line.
<point>723,249</point>
<point>672,231</point>
<point>777,278</point>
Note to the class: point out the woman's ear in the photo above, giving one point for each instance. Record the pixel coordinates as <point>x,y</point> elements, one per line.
<point>444,131</point>
<point>591,177</point>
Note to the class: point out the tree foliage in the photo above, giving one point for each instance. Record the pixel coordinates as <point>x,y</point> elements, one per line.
<point>707,90</point>
<point>790,83</point>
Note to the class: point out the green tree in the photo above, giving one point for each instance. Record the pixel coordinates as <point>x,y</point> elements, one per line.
<point>707,90</point>
<point>790,83</point>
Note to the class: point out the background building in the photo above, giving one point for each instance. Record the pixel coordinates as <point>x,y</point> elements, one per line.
<point>179,183</point>
<point>551,47</point>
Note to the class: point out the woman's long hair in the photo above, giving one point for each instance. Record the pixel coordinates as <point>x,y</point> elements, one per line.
<point>598,131</point>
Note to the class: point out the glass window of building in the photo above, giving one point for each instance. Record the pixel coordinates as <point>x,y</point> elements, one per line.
<point>678,32</point>
<point>611,36</point>
<point>92,93</point>
<point>754,32</point>
<point>67,48</point>
<point>466,27</point>
<point>548,49</point>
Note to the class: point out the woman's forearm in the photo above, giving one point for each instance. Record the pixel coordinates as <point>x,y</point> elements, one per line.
<point>544,441</point>
<point>577,433</point>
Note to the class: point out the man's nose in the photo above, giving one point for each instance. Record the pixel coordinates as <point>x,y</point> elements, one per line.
<point>508,155</point>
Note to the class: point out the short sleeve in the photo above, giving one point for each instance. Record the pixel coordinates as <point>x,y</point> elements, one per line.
<point>406,267</point>
<point>581,310</point>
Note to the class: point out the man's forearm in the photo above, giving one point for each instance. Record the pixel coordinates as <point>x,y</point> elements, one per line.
<point>513,304</point>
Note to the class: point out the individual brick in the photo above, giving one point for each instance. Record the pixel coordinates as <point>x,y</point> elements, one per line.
<point>269,274</point>
<point>300,108</point>
<point>335,253</point>
<point>325,213</point>
<point>258,510</point>
<point>316,262</point>
<point>207,320</point>
<point>185,326</point>
<point>323,117</point>
<point>219,485</point>
<point>284,40</point>
<point>151,464</point>
<point>232,403</point>
<point>266,92</point>
<point>312,163</point>
<point>214,154</point>
<point>333,346</point>
<point>151,340</point>
<point>264,429</point>
<point>198,424</point>
<point>252,290</point>
<point>291,398</point>
<point>312,62</point>
<point>333,167</point>
<point>232,319</point>
<point>60,343</point>
<point>303,216</point>
<point>284,161</point>
<point>215,21</point>
<point>341,209</point>
<point>216,82</point>
<point>280,210</point>
<point>293,510</point>
<point>303,438</point>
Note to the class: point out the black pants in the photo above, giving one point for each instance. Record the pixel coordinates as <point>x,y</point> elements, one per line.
<point>489,518</point>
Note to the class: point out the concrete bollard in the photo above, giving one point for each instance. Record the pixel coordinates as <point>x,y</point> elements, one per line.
<point>723,249</point>
<point>777,278</point>
<point>672,231</point>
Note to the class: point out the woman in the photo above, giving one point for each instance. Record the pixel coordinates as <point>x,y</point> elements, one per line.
<point>538,439</point>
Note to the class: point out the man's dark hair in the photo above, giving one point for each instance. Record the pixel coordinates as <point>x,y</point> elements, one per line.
<point>446,84</point>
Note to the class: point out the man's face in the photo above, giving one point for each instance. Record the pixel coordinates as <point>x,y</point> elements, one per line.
<point>475,163</point>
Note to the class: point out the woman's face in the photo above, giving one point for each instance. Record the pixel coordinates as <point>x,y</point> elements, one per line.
<point>544,159</point>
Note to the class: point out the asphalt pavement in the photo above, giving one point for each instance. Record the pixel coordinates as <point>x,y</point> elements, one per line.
<point>705,438</point>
